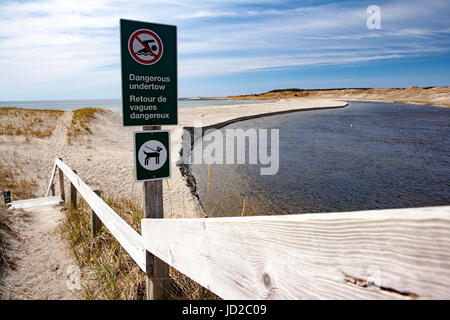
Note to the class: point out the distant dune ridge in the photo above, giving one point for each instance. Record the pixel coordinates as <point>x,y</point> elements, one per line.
<point>439,96</point>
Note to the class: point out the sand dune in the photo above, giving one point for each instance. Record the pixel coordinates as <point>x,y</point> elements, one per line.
<point>439,96</point>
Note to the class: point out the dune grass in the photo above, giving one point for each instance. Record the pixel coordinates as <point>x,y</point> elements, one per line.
<point>4,228</point>
<point>108,271</point>
<point>427,96</point>
<point>428,103</point>
<point>80,124</point>
<point>27,122</point>
<point>20,189</point>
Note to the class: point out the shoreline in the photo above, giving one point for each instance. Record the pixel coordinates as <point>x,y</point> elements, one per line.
<point>184,168</point>
<point>245,112</point>
<point>104,158</point>
<point>405,102</point>
<point>361,100</point>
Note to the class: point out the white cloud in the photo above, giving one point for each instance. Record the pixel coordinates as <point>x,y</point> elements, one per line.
<point>211,66</point>
<point>75,43</point>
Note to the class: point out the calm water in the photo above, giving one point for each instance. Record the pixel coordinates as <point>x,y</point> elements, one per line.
<point>114,105</point>
<point>368,155</point>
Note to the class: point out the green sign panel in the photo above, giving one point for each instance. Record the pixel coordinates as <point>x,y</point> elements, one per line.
<point>149,73</point>
<point>7,196</point>
<point>151,155</point>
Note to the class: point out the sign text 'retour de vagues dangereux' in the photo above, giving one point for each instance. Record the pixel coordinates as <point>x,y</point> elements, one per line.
<point>149,73</point>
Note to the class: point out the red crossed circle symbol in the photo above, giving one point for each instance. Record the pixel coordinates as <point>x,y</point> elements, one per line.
<point>145,46</point>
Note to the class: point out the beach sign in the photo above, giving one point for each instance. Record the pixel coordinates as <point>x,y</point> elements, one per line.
<point>7,196</point>
<point>149,73</point>
<point>151,155</point>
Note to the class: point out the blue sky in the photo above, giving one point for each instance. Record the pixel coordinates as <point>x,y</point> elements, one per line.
<point>54,49</point>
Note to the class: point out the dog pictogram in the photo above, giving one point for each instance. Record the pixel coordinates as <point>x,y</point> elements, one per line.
<point>154,154</point>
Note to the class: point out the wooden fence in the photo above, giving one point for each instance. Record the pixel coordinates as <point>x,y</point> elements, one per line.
<point>128,238</point>
<point>377,254</point>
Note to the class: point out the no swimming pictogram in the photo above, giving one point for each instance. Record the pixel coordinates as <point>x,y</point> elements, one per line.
<point>145,46</point>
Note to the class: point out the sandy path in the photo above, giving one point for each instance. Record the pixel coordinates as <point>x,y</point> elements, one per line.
<point>39,253</point>
<point>41,259</point>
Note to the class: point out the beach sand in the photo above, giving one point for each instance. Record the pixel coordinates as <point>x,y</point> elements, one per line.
<point>40,258</point>
<point>104,160</point>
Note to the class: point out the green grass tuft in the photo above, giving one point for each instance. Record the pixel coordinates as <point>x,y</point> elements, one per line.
<point>20,189</point>
<point>109,272</point>
<point>27,122</point>
<point>80,124</point>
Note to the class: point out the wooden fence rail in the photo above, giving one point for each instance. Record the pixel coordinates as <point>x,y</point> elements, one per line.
<point>377,254</point>
<point>51,180</point>
<point>128,238</point>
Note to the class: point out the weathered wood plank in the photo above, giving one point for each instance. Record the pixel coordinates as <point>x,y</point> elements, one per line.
<point>157,270</point>
<point>36,202</point>
<point>96,223</point>
<point>50,184</point>
<point>157,282</point>
<point>379,254</point>
<point>73,194</point>
<point>128,238</point>
<point>61,185</point>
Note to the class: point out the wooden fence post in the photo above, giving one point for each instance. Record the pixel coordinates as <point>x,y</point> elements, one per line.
<point>157,270</point>
<point>96,223</point>
<point>61,184</point>
<point>73,194</point>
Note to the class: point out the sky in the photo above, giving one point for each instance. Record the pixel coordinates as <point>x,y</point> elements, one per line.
<point>55,49</point>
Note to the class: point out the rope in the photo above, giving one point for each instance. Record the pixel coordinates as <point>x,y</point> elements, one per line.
<point>243,208</point>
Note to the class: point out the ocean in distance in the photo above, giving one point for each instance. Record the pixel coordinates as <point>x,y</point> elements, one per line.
<point>114,105</point>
